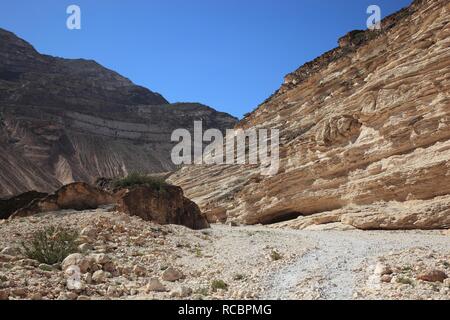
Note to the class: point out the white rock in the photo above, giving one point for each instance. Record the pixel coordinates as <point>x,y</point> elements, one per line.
<point>101,258</point>
<point>85,247</point>
<point>89,232</point>
<point>139,270</point>
<point>78,260</point>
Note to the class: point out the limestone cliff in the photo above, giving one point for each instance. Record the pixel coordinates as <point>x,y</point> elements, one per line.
<point>365,135</point>
<point>74,120</point>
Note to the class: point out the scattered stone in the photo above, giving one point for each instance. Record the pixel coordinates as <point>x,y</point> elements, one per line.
<point>113,292</point>
<point>99,276</point>
<point>89,232</point>
<point>71,295</point>
<point>181,292</point>
<point>4,295</point>
<point>433,276</point>
<point>46,267</point>
<point>6,258</point>
<point>78,260</point>
<point>140,271</point>
<point>381,269</point>
<point>28,263</point>
<point>101,258</point>
<point>155,285</point>
<point>171,274</point>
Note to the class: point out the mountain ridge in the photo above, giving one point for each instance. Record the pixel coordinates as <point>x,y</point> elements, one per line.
<point>65,120</point>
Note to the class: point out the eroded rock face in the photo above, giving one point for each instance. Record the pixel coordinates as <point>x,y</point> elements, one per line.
<point>11,205</point>
<point>77,196</point>
<point>165,206</point>
<point>73,120</point>
<point>366,126</point>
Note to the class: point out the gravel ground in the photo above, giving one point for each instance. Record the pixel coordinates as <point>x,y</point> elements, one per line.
<point>248,262</point>
<point>337,267</point>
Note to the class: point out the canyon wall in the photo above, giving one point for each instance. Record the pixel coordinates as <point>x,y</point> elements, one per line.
<point>365,136</point>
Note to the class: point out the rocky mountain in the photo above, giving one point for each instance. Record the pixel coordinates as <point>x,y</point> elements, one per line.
<point>365,136</point>
<point>74,120</point>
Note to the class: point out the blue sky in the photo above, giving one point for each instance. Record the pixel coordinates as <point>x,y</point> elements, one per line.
<point>228,54</point>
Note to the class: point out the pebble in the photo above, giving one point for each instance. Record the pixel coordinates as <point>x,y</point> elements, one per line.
<point>140,271</point>
<point>181,292</point>
<point>155,285</point>
<point>78,260</point>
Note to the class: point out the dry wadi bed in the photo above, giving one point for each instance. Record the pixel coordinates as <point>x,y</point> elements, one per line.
<point>123,257</point>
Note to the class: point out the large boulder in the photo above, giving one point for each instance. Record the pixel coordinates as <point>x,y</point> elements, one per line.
<point>76,196</point>
<point>163,206</point>
<point>11,205</point>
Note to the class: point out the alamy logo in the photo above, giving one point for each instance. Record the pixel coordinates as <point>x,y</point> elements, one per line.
<point>239,147</point>
<point>374,21</point>
<point>74,20</point>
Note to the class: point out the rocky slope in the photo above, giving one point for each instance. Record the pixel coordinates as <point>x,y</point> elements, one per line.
<point>73,120</point>
<point>123,257</point>
<point>364,133</point>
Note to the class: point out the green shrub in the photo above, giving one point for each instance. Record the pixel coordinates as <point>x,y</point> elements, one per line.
<point>137,179</point>
<point>202,291</point>
<point>404,280</point>
<point>275,256</point>
<point>218,284</point>
<point>51,245</point>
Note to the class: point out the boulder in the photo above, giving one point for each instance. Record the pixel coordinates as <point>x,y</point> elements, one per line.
<point>433,276</point>
<point>76,196</point>
<point>78,260</point>
<point>163,206</point>
<point>155,285</point>
<point>171,274</point>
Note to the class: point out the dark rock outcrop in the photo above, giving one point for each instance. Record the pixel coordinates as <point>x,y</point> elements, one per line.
<point>164,206</point>
<point>76,196</point>
<point>11,205</point>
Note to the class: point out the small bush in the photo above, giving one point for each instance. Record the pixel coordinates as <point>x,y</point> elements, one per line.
<point>51,245</point>
<point>202,291</point>
<point>198,252</point>
<point>137,179</point>
<point>404,280</point>
<point>218,284</point>
<point>275,256</point>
